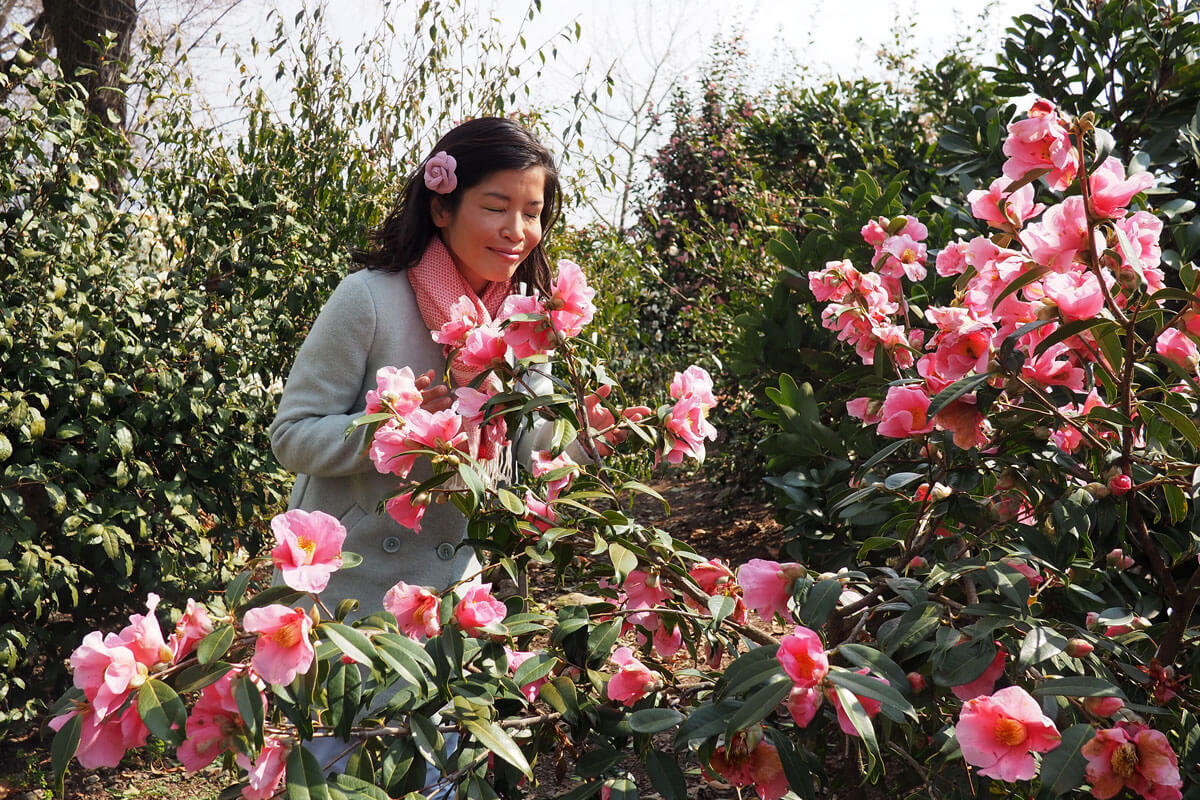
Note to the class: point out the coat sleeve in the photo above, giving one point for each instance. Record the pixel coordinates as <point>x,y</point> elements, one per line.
<point>323,392</point>
<point>540,433</point>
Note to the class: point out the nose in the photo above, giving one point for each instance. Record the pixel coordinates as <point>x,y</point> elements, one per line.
<point>512,229</point>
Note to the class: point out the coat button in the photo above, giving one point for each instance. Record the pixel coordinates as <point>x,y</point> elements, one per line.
<point>445,551</point>
<point>391,544</point>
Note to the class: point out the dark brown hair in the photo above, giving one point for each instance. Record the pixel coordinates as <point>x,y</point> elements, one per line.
<point>480,147</point>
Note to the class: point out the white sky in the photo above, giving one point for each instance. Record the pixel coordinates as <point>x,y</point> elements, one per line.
<point>783,38</point>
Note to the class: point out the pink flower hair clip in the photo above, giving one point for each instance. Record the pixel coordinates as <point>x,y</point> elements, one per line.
<point>439,173</point>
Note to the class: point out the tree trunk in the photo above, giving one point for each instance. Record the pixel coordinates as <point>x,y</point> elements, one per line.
<point>77,28</point>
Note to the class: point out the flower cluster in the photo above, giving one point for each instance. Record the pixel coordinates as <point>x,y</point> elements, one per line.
<point>1083,258</point>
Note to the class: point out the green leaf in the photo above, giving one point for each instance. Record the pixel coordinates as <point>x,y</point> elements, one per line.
<point>758,705</point>
<point>721,606</point>
<point>197,676</point>
<point>601,640</point>
<point>367,790</point>
<point>497,740</point>
<point>237,588</point>
<point>1178,420</point>
<point>1077,686</point>
<point>749,670</point>
<point>872,687</point>
<point>282,595</point>
<point>162,710</point>
<point>1020,282</point>
<point>351,641</point>
<point>653,720</point>
<point>344,693</point>
<point>913,626</point>
<point>623,560</point>
<point>866,656</point>
<point>250,705</point>
<point>862,724</point>
<point>1038,645</point>
<point>304,777</point>
<point>62,750</point>
<point>821,601</point>
<point>1063,767</point>
<point>666,776</point>
<point>512,504</point>
<point>954,391</point>
<point>1069,329</point>
<point>535,668</point>
<point>215,645</point>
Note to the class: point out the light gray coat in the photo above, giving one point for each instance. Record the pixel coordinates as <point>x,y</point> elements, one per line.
<point>370,321</point>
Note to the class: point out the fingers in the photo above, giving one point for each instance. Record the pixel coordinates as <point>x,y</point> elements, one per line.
<point>635,413</point>
<point>423,381</point>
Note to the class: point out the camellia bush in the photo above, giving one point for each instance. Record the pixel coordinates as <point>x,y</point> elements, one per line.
<point>1020,624</point>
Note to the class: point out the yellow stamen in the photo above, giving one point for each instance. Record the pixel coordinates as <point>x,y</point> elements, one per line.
<point>288,635</point>
<point>1009,731</point>
<point>308,546</point>
<point>1124,760</point>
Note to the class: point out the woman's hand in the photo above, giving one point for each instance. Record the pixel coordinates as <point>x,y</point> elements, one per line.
<point>435,398</point>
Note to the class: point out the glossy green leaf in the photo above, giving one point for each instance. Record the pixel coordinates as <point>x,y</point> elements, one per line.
<point>653,720</point>
<point>215,645</point>
<point>304,778</point>
<point>351,641</point>
<point>497,740</point>
<point>1063,767</point>
<point>63,749</point>
<point>666,776</point>
<point>162,710</point>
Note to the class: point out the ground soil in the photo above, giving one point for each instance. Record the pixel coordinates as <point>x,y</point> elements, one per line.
<point>717,520</point>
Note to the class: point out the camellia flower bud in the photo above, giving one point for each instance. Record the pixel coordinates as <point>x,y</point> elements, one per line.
<point>1120,484</point>
<point>1117,558</point>
<point>1078,648</point>
<point>1103,706</point>
<point>917,562</point>
<point>917,681</point>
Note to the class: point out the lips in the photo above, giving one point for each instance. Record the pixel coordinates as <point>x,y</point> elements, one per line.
<point>509,254</point>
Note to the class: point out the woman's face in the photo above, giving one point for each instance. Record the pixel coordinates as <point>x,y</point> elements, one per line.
<point>496,225</point>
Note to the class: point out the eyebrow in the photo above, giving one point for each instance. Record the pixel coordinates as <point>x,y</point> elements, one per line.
<point>506,198</point>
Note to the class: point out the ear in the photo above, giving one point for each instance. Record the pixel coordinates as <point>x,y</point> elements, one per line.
<point>440,214</point>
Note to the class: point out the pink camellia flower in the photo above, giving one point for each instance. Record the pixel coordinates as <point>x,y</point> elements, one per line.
<point>1143,230</point>
<point>999,210</point>
<point>266,772</point>
<point>687,427</point>
<point>484,348</point>
<point>539,514</point>
<point>1060,235</point>
<point>1111,190</point>
<point>478,609</point>
<point>741,765</point>
<point>308,548</point>
<point>904,413</point>
<point>214,724</point>
<point>803,657</point>
<point>666,643</point>
<point>865,409</point>
<point>643,590</point>
<point>515,659</point>
<point>966,423</point>
<point>441,431</point>
<point>766,587</point>
<point>415,609</point>
<point>465,316</point>
<point>106,670</point>
<point>283,648</point>
<point>952,260</point>
<point>543,465</point>
<point>526,337</point>
<point>870,706</point>
<point>1041,140</point>
<point>391,451</point>
<point>395,391</point>
<point>103,741</point>
<point>1077,294</point>
<point>716,578</point>
<point>874,232</point>
<point>1000,733</point>
<point>985,682</point>
<point>1135,757</point>
<point>694,383</point>
<point>633,680</point>
<point>1117,558</point>
<point>193,626</point>
<point>803,703</point>
<point>1175,345</point>
<point>144,637</point>
<point>570,301</point>
<point>834,282</point>
<point>406,511</point>
<point>1103,706</point>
